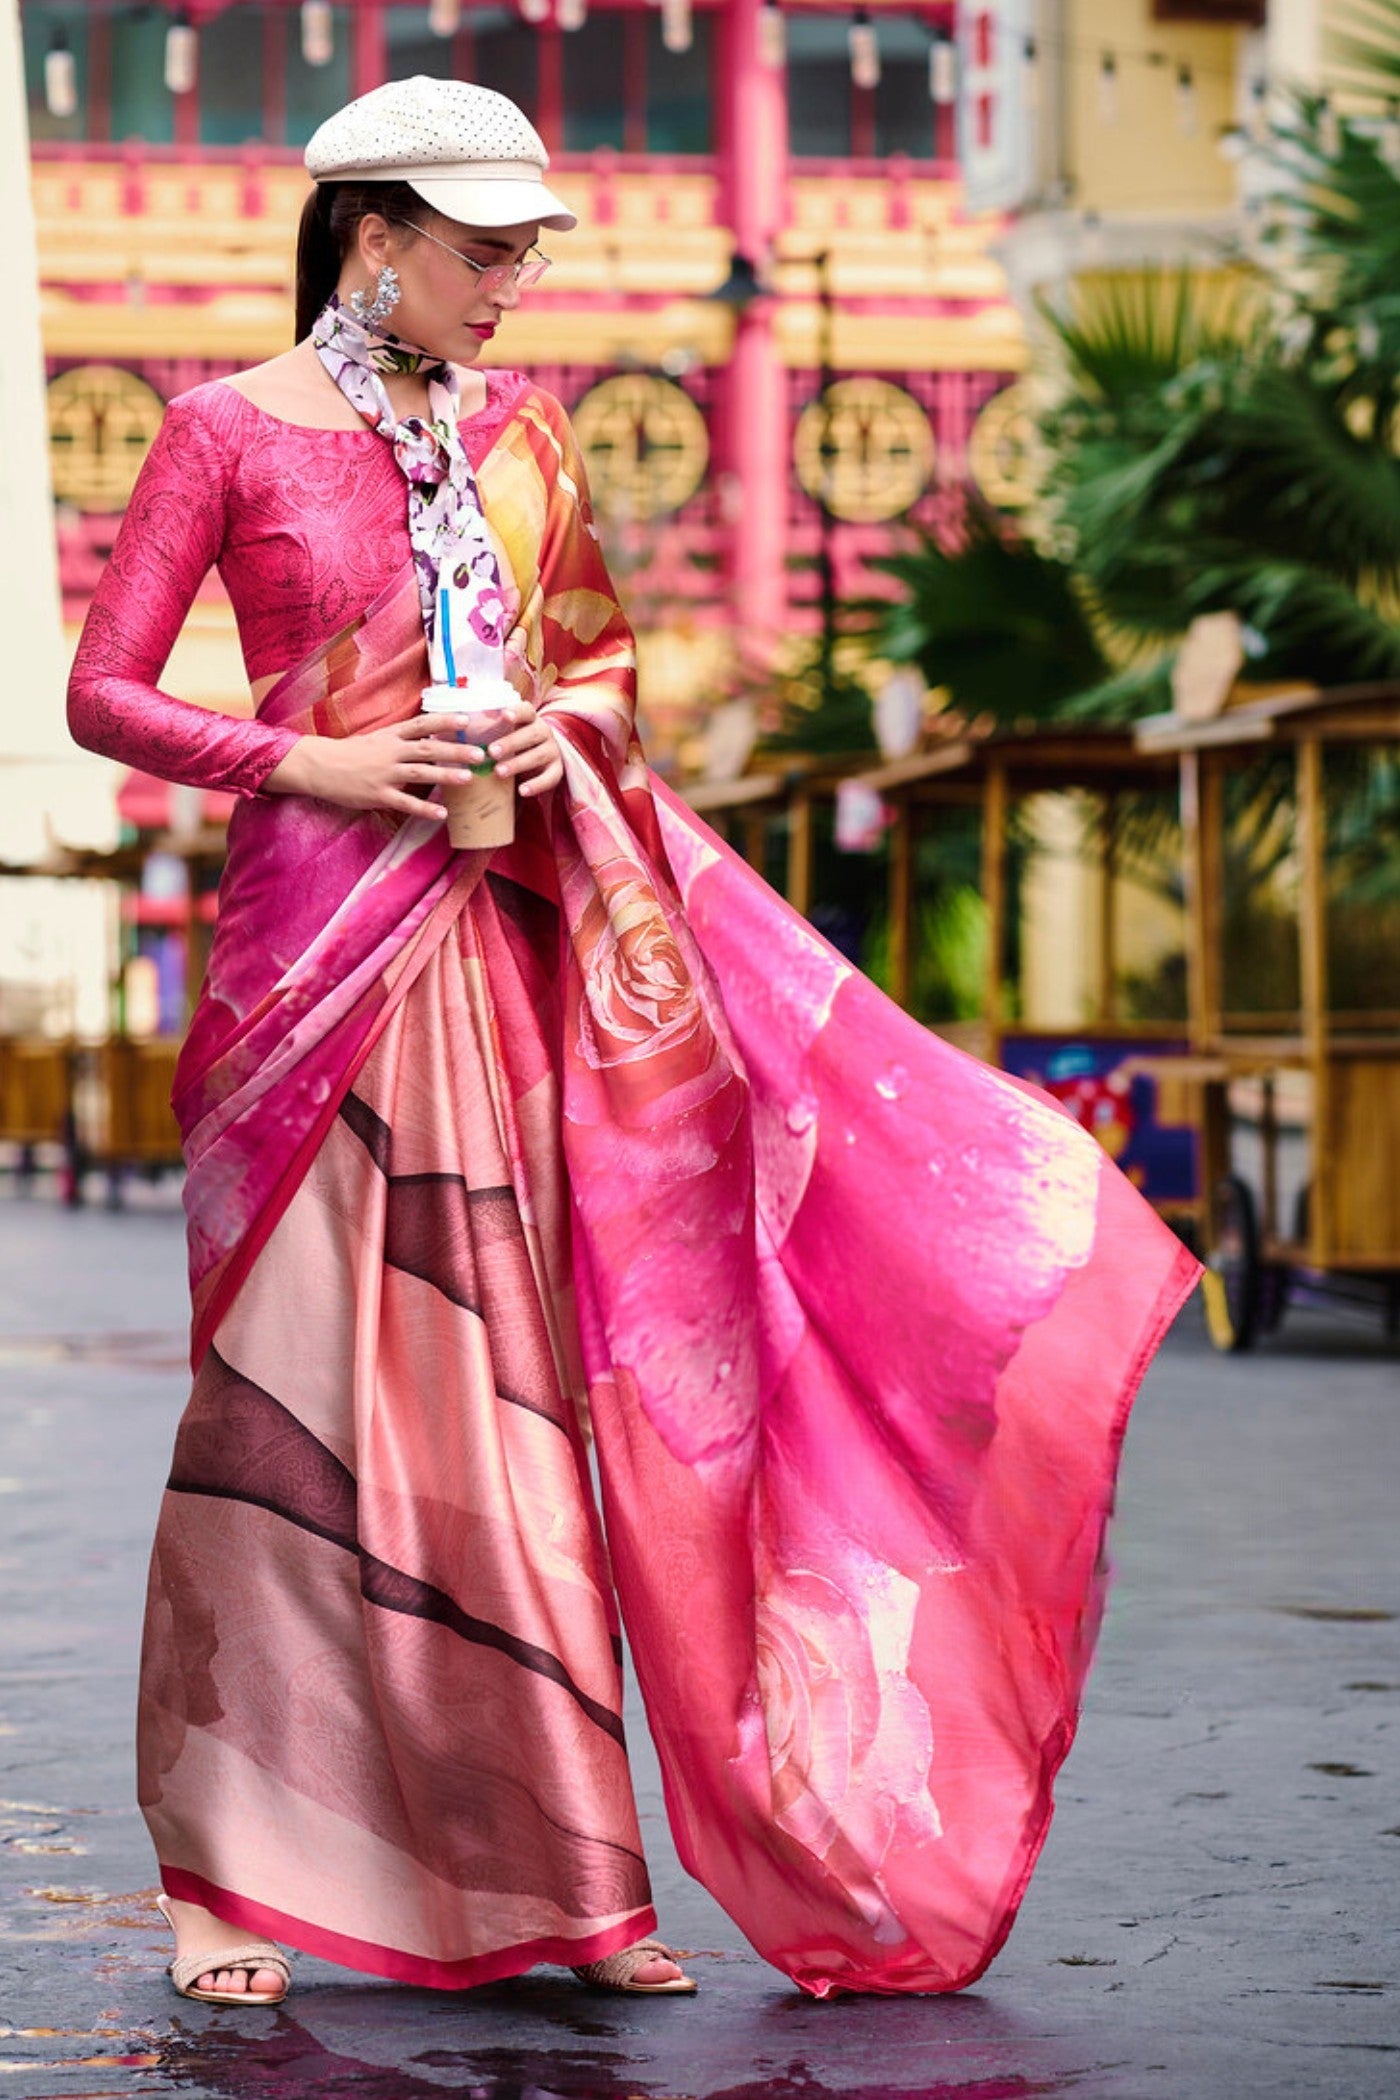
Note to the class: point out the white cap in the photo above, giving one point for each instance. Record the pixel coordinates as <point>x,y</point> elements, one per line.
<point>467,151</point>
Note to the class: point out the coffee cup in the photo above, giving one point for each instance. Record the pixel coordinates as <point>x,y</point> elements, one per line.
<point>480,811</point>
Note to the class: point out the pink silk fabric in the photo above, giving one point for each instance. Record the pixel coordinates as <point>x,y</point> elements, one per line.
<point>861,1319</point>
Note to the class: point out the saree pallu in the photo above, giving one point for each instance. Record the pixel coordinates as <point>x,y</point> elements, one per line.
<point>476,1141</point>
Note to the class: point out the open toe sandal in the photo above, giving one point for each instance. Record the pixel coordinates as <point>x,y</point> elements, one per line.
<point>618,1972</point>
<point>248,1954</point>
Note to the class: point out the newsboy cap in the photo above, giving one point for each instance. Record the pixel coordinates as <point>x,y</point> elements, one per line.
<point>467,151</point>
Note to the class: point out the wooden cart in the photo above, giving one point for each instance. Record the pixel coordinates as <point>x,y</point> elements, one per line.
<point>1299,1107</point>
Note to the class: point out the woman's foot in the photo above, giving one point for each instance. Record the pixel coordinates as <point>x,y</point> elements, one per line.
<point>647,1966</point>
<point>198,1932</point>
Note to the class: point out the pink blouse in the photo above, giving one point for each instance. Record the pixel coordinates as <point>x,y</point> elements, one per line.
<point>305,528</point>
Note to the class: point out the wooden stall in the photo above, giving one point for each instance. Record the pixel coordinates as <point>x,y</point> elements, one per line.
<point>104,1104</point>
<point>1300,1107</point>
<point>36,1099</point>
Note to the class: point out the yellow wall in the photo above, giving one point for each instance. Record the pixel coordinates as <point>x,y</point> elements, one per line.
<point>1144,163</point>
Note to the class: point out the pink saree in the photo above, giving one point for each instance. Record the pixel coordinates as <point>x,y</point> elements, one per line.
<point>475,1140</point>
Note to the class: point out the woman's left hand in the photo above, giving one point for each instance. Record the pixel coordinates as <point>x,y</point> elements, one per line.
<point>529,752</point>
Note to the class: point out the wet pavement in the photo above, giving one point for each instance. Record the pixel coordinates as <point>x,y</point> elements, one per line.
<point>1214,1918</point>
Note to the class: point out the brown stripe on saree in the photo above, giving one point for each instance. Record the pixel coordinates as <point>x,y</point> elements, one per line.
<point>381,1686</point>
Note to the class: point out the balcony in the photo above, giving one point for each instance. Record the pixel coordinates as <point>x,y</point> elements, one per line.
<point>167,251</point>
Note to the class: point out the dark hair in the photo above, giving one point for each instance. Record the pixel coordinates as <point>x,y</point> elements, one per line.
<point>328,221</point>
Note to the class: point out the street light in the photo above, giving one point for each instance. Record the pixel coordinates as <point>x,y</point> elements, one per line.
<point>740,288</point>
<point>826,557</point>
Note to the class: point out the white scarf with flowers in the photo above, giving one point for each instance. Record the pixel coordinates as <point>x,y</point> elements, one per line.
<point>453,558</point>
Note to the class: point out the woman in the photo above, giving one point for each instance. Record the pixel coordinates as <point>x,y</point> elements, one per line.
<point>473,1137</point>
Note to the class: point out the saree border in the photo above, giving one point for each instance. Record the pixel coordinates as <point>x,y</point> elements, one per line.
<point>373,1959</point>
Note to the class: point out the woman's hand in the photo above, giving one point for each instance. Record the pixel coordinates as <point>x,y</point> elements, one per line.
<point>376,769</point>
<point>530,751</point>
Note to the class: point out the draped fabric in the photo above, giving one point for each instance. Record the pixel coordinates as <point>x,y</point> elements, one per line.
<point>382,1705</point>
<point>857,1321</point>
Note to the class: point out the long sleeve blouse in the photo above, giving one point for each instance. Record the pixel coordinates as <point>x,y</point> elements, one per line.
<point>304,527</point>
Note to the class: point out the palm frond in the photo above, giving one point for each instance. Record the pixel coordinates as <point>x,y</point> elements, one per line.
<point>822,708</point>
<point>995,622</point>
<point>1310,626</point>
<point>1293,480</point>
<point>1126,334</point>
<point>1336,230</point>
<point>1128,696</point>
<point>1364,39</point>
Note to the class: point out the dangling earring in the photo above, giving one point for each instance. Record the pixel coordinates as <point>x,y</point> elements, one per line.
<point>374,312</point>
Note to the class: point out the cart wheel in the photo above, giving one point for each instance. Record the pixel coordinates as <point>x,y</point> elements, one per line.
<point>1233,1286</point>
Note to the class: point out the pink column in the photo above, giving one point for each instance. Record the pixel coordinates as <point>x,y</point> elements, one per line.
<point>367,49</point>
<point>753,203</point>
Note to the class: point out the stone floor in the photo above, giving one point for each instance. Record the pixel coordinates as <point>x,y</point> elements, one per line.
<point>1214,1917</point>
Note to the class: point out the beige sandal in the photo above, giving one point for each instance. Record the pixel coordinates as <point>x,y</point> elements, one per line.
<point>249,1954</point>
<point>618,1972</point>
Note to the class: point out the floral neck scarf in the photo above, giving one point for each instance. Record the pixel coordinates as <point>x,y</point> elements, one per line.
<point>459,579</point>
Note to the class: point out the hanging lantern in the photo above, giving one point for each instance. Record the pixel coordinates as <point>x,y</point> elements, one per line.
<point>317,33</point>
<point>571,14</point>
<point>1186,102</point>
<point>860,818</point>
<point>445,17</point>
<point>181,55</point>
<point>60,78</point>
<point>865,50</point>
<point>535,11</point>
<point>1108,89</point>
<point>772,35</point>
<point>677,29</point>
<point>943,69</point>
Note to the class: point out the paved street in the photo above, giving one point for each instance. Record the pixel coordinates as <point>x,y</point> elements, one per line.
<point>1215,1917</point>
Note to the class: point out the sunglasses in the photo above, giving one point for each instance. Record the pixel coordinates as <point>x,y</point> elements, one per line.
<point>491,277</point>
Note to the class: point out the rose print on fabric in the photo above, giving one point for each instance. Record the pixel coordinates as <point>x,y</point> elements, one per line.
<point>849,1735</point>
<point>641,999</point>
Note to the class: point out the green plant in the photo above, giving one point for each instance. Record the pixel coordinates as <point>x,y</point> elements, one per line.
<point>949,948</point>
<point>817,704</point>
<point>992,620</point>
<point>1218,439</point>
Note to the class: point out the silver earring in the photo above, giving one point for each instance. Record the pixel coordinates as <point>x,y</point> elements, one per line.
<point>372,312</point>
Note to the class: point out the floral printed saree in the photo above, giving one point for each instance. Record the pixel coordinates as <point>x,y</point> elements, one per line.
<point>484,1149</point>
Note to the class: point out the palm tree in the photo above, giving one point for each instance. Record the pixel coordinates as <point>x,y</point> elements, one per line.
<point>1219,439</point>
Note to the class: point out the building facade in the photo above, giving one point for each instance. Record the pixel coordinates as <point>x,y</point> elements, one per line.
<point>802,157</point>
<point>875,193</point>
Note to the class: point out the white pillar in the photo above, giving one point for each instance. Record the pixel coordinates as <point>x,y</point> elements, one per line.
<point>32,690</point>
<point>48,789</point>
<point>53,935</point>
